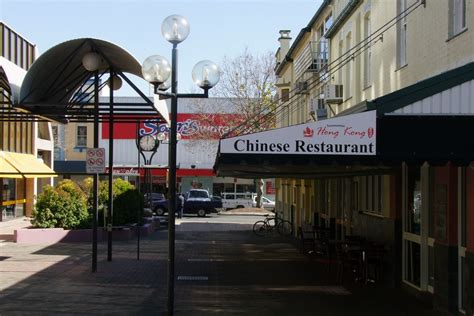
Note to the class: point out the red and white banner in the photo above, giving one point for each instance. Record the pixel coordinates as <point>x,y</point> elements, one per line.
<point>346,135</point>
<point>190,126</point>
<point>160,172</point>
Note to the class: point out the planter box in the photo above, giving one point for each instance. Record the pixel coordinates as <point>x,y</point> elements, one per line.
<point>55,235</point>
<point>150,225</point>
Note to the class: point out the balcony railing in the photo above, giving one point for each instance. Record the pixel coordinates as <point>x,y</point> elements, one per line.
<point>313,58</point>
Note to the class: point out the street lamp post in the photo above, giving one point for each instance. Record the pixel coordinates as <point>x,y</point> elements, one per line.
<point>156,70</point>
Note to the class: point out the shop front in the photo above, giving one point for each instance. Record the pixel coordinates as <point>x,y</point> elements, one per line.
<point>409,186</point>
<point>19,176</point>
<point>199,133</point>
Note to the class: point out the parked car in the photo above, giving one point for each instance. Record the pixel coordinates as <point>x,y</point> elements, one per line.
<point>198,195</point>
<point>236,200</point>
<point>266,203</point>
<point>241,200</point>
<point>155,197</point>
<point>196,201</point>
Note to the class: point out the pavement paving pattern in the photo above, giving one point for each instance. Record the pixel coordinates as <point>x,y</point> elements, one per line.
<point>227,273</point>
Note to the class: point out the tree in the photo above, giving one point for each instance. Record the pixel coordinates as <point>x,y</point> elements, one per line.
<point>248,83</point>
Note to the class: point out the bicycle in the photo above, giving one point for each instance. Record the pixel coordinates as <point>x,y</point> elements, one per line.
<point>271,223</point>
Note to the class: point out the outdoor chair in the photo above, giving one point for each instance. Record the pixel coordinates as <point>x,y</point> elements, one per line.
<point>375,259</point>
<point>306,239</point>
<point>348,263</point>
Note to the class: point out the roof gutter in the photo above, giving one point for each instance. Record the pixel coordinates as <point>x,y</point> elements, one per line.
<point>342,18</point>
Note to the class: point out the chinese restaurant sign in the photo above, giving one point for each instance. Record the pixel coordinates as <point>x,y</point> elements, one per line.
<point>346,135</point>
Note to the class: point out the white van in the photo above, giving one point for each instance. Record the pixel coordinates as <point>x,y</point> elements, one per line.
<point>266,203</point>
<point>240,200</point>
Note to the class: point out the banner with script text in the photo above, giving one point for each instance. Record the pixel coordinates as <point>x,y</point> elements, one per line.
<point>346,135</point>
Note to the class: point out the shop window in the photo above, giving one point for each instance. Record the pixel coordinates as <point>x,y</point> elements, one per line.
<point>218,188</point>
<point>229,187</point>
<point>372,194</point>
<point>414,198</point>
<point>242,188</point>
<point>9,206</point>
<point>412,262</point>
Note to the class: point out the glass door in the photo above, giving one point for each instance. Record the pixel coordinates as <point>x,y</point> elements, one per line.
<point>415,245</point>
<point>433,202</point>
<point>464,191</point>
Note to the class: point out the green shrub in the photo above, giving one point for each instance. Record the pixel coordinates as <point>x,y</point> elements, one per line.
<point>70,205</point>
<point>62,207</point>
<point>128,207</point>
<point>128,203</point>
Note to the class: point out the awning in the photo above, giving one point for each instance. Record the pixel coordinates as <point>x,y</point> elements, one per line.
<point>429,121</point>
<point>7,170</point>
<point>58,87</point>
<point>307,151</point>
<point>28,166</point>
<point>304,150</point>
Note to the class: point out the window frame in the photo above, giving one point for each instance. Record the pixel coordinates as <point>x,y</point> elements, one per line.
<point>368,52</point>
<point>457,17</point>
<point>285,95</point>
<point>372,194</point>
<point>349,71</point>
<point>402,59</point>
<point>78,135</point>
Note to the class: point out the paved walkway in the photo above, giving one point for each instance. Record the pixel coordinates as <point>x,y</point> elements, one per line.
<point>8,227</point>
<point>217,273</point>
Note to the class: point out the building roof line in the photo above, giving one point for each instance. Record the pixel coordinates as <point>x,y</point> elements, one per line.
<point>422,89</point>
<point>301,34</point>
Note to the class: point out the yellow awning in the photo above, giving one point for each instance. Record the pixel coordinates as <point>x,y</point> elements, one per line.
<point>7,170</point>
<point>29,166</point>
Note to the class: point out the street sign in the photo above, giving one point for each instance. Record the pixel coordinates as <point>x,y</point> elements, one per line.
<point>95,160</point>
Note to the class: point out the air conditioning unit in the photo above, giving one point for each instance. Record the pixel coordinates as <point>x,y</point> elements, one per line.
<point>333,93</point>
<point>301,87</point>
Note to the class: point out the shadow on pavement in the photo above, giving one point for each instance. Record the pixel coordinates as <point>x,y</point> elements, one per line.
<point>217,272</point>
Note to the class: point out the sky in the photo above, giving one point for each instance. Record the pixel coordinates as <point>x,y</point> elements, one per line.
<point>219,28</point>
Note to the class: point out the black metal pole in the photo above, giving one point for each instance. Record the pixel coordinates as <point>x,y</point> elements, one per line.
<point>139,191</point>
<point>95,186</point>
<point>172,178</point>
<point>111,166</point>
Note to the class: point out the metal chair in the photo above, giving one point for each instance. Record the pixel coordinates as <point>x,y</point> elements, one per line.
<point>306,239</point>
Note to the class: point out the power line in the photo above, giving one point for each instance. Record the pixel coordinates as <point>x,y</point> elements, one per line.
<point>250,124</point>
<point>339,63</point>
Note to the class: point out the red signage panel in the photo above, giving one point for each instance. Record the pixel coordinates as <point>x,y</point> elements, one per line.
<point>190,126</point>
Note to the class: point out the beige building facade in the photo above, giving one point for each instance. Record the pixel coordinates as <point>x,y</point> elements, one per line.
<point>26,144</point>
<point>406,60</point>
